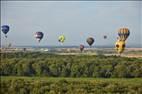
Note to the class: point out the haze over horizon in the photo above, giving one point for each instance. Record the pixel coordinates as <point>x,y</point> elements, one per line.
<point>77,20</point>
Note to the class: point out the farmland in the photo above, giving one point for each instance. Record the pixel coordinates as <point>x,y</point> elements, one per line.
<point>44,73</point>
<point>50,85</point>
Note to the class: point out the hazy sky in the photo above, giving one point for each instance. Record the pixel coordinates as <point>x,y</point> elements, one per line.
<point>77,20</point>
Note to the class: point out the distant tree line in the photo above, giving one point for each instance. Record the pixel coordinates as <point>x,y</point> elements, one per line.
<point>51,65</point>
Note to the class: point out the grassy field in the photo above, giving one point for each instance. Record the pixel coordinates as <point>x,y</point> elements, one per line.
<point>44,73</point>
<point>52,65</point>
<point>61,85</point>
<point>56,79</point>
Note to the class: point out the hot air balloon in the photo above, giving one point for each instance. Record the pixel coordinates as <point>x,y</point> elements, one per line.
<point>61,38</point>
<point>90,41</point>
<point>123,33</point>
<point>39,36</point>
<point>120,46</point>
<point>105,36</point>
<point>81,47</point>
<point>5,29</point>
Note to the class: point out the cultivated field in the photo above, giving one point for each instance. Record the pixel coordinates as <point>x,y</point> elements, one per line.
<point>55,73</point>
<point>48,85</point>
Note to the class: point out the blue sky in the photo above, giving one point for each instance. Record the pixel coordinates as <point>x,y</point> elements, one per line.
<point>77,20</point>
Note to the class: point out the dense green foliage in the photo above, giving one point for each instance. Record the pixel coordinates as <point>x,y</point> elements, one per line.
<point>51,65</point>
<point>45,85</point>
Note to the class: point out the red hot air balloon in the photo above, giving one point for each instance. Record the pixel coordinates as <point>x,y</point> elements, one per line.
<point>81,47</point>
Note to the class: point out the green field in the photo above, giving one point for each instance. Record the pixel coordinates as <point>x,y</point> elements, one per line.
<point>56,79</point>
<point>44,73</point>
<point>61,85</point>
<point>52,65</point>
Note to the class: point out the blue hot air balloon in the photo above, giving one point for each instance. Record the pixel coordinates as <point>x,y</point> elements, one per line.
<point>5,29</point>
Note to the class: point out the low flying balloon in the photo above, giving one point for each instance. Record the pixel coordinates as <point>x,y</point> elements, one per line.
<point>90,41</point>
<point>39,36</point>
<point>81,47</point>
<point>5,29</point>
<point>61,38</point>
<point>120,46</point>
<point>123,33</point>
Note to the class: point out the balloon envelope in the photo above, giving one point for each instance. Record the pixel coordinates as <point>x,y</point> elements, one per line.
<point>105,36</point>
<point>39,36</point>
<point>120,46</point>
<point>61,38</point>
<point>5,29</point>
<point>81,47</point>
<point>90,41</point>
<point>123,33</point>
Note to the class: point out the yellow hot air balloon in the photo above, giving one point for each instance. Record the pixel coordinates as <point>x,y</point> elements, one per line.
<point>120,46</point>
<point>61,38</point>
<point>123,33</point>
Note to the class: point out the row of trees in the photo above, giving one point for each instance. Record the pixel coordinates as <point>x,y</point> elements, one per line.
<point>43,64</point>
<point>63,86</point>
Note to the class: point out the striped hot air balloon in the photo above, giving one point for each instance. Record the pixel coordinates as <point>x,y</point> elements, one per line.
<point>123,33</point>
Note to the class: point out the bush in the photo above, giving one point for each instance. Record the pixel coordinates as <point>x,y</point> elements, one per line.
<point>44,64</point>
<point>26,85</point>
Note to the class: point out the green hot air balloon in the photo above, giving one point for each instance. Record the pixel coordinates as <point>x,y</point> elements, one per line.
<point>90,41</point>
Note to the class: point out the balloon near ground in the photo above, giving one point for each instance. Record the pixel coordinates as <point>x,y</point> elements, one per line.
<point>5,29</point>
<point>39,36</point>
<point>123,33</point>
<point>81,47</point>
<point>90,41</point>
<point>120,46</point>
<point>61,38</point>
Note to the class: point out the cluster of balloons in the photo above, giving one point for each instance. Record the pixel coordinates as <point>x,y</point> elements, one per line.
<point>39,36</point>
<point>123,34</point>
<point>89,40</point>
<point>61,39</point>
